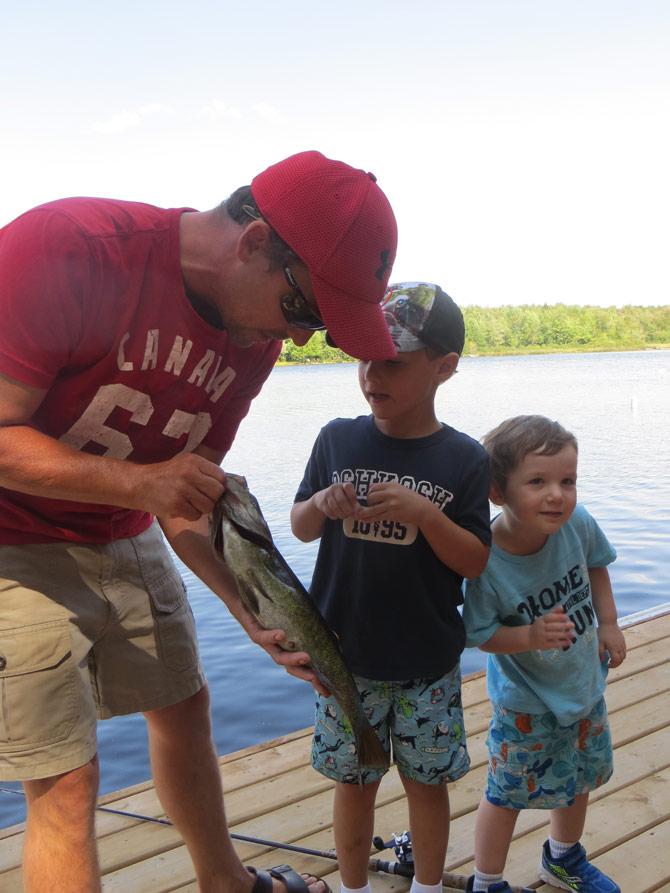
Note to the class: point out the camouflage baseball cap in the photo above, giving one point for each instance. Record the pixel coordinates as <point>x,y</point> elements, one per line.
<point>420,314</point>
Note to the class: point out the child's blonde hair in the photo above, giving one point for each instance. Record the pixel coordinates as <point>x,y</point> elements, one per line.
<point>512,440</point>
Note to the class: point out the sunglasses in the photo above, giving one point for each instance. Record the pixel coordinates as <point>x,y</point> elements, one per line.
<point>295,308</point>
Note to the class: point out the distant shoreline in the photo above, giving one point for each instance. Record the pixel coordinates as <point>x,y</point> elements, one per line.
<point>501,353</point>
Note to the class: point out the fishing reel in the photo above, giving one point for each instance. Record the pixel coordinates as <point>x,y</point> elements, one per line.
<point>402,845</point>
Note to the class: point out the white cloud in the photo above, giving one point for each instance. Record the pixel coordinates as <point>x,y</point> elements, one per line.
<point>156,108</point>
<point>269,113</point>
<point>125,120</point>
<point>118,123</point>
<point>218,109</point>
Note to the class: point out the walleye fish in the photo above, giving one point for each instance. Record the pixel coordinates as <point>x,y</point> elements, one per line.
<point>277,599</point>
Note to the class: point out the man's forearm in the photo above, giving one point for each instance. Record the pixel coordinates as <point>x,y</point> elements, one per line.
<point>191,542</point>
<point>34,463</point>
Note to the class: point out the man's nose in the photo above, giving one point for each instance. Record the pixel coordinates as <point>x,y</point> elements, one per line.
<point>300,336</point>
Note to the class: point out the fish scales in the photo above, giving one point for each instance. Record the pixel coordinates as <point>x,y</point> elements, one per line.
<point>278,600</point>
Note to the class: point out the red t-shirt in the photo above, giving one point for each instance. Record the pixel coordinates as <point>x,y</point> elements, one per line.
<point>93,308</point>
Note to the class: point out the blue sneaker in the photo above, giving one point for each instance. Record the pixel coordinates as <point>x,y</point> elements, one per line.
<point>573,871</point>
<point>498,887</point>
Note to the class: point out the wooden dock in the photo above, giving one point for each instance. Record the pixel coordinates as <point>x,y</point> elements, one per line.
<point>273,794</point>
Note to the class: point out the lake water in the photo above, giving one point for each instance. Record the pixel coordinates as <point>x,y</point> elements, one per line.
<point>615,403</point>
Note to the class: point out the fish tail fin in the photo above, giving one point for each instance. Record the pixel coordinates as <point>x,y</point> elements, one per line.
<point>371,752</point>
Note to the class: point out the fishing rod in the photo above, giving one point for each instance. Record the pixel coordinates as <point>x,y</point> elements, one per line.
<point>403,869</point>
<point>241,837</point>
<point>378,865</point>
<point>375,864</point>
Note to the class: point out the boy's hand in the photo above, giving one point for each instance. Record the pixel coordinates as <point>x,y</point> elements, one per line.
<point>553,630</point>
<point>394,502</point>
<point>337,501</point>
<point>610,638</point>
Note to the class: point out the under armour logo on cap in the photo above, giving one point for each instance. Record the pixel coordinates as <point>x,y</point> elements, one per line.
<point>384,271</point>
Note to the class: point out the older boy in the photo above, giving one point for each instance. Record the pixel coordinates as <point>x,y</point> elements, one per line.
<point>544,610</point>
<point>399,500</point>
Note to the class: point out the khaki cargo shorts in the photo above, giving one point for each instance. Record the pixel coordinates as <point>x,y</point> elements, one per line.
<point>87,632</point>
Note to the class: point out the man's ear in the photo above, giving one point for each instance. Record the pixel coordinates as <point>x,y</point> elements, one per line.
<point>252,240</point>
<point>496,495</point>
<point>447,365</point>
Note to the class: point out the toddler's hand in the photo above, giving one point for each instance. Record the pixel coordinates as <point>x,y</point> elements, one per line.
<point>553,630</point>
<point>610,638</point>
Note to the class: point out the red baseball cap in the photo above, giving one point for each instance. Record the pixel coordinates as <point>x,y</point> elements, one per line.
<point>341,225</point>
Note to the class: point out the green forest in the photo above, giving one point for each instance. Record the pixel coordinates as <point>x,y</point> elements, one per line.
<point>533,328</point>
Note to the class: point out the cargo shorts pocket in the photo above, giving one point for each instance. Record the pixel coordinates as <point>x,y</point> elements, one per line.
<point>175,626</point>
<point>38,686</point>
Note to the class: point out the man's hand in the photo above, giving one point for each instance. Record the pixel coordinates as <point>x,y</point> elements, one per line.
<point>296,663</point>
<point>553,630</point>
<point>184,487</point>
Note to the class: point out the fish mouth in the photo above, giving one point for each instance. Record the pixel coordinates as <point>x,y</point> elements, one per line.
<point>251,536</point>
<point>242,512</point>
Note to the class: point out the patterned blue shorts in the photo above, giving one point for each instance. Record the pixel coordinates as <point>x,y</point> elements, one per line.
<point>534,763</point>
<point>422,719</point>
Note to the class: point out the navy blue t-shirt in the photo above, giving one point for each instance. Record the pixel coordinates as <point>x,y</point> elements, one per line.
<point>379,585</point>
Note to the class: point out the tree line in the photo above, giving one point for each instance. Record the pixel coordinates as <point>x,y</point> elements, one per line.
<point>532,328</point>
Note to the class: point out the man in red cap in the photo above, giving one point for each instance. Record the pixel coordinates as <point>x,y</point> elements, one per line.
<point>132,341</point>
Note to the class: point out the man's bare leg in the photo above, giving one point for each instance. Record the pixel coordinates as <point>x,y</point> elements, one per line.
<point>59,852</point>
<point>188,783</point>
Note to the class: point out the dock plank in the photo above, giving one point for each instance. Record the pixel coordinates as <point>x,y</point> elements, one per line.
<point>273,794</point>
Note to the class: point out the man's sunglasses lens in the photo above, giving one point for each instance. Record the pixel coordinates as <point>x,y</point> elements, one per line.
<point>297,313</point>
<point>295,308</point>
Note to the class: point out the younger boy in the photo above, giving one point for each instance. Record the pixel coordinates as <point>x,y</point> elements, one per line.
<point>535,609</point>
<point>400,501</point>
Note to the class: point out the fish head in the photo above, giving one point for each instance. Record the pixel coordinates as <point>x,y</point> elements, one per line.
<point>239,508</point>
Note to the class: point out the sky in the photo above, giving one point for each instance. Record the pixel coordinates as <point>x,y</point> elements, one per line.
<point>523,144</point>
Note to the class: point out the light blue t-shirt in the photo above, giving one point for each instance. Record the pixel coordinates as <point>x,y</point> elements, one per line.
<point>516,589</point>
